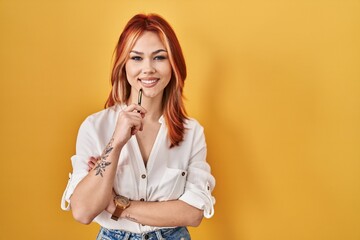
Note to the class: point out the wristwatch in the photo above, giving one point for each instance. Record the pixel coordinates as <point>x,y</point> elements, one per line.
<point>121,204</point>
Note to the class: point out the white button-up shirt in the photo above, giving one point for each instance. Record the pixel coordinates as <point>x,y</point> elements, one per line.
<point>180,172</point>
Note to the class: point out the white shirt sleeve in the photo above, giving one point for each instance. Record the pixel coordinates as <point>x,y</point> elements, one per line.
<point>85,147</point>
<point>200,182</point>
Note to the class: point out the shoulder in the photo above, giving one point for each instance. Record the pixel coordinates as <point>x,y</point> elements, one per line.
<point>105,116</point>
<point>98,127</point>
<point>192,123</point>
<point>193,128</point>
<point>194,137</point>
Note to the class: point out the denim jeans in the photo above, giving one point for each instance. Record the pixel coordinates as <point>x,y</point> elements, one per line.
<point>178,233</point>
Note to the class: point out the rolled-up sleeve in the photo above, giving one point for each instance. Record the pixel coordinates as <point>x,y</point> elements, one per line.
<point>85,147</point>
<point>200,183</point>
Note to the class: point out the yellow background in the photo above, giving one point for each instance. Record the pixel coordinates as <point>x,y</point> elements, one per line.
<point>275,83</point>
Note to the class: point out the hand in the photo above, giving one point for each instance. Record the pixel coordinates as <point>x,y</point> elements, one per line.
<point>91,163</point>
<point>129,122</point>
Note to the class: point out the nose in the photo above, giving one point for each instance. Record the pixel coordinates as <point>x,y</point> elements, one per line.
<point>148,67</point>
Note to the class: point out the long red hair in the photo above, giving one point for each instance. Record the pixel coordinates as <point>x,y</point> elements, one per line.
<point>172,102</point>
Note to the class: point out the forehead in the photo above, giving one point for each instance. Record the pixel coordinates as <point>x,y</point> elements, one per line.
<point>148,42</point>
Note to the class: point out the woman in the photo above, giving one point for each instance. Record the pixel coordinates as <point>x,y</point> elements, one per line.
<point>140,167</point>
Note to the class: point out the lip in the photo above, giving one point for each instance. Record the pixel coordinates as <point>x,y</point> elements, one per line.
<point>149,81</point>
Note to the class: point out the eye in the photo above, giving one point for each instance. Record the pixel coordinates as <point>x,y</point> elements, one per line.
<point>136,58</point>
<point>160,57</point>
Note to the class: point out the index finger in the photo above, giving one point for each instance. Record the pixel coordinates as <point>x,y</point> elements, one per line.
<point>135,107</point>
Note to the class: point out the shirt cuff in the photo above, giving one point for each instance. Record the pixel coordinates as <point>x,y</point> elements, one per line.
<point>73,181</point>
<point>201,199</point>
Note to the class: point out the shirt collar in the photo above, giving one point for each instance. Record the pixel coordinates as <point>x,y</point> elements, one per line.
<point>161,119</point>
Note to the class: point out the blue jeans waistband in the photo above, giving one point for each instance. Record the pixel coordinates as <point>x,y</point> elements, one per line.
<point>160,234</point>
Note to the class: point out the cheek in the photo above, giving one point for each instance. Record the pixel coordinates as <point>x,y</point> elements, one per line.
<point>167,71</point>
<point>131,71</point>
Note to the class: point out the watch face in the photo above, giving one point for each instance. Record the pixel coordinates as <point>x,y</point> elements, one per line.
<point>122,201</point>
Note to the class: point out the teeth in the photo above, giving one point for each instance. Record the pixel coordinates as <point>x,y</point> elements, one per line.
<point>148,81</point>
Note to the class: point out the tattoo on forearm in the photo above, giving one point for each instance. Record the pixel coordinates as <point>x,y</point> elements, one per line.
<point>102,163</point>
<point>128,217</point>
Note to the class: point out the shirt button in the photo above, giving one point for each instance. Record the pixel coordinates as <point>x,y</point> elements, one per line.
<point>208,187</point>
<point>143,176</point>
<point>141,199</point>
<point>183,174</point>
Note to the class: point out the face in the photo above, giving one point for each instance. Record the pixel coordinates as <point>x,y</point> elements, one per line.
<point>148,66</point>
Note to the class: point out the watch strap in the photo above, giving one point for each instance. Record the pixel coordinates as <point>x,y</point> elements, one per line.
<point>116,214</point>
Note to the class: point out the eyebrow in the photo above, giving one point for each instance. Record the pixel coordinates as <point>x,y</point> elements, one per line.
<point>155,52</point>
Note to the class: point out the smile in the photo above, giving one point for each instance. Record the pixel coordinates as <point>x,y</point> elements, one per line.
<point>149,81</point>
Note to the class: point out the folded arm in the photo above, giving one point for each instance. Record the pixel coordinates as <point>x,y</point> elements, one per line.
<point>161,214</point>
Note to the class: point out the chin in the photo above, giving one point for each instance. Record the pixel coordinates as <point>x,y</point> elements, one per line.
<point>152,94</point>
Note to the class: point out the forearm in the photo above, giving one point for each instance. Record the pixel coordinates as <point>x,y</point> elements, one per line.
<point>163,214</point>
<point>92,195</point>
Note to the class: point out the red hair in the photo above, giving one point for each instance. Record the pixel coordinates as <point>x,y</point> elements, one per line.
<point>172,102</point>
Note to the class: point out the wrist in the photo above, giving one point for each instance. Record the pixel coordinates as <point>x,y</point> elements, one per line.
<point>121,204</point>
<point>111,207</point>
<point>127,211</point>
<point>118,144</point>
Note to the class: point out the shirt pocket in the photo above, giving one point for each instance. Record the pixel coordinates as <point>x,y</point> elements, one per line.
<point>172,184</point>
